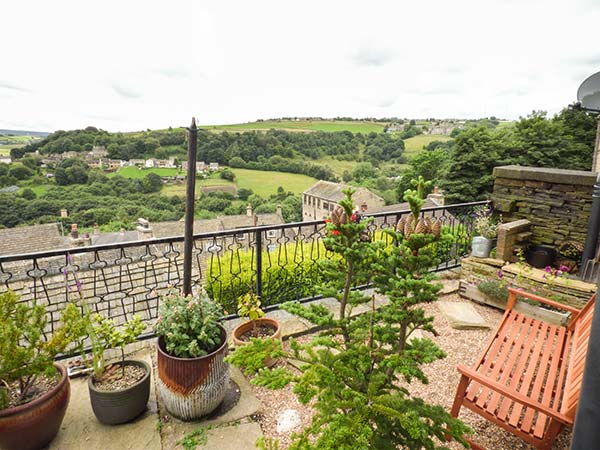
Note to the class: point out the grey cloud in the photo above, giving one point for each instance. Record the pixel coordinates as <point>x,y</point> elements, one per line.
<point>13,87</point>
<point>386,102</point>
<point>174,72</point>
<point>372,57</point>
<point>124,91</point>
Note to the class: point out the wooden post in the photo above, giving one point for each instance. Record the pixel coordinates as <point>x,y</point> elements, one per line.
<point>190,194</point>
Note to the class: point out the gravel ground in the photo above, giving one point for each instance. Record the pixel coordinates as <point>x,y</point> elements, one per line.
<point>462,347</point>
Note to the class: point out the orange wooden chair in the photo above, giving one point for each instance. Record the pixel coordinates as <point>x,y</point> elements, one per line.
<point>529,377</point>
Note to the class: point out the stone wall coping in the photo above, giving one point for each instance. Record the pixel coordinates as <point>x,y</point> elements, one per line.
<point>515,226</point>
<point>558,176</point>
<point>541,276</point>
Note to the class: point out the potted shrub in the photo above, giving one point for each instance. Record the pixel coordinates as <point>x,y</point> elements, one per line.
<point>256,325</point>
<point>356,372</point>
<point>192,374</point>
<point>485,229</point>
<point>119,391</point>
<point>34,390</point>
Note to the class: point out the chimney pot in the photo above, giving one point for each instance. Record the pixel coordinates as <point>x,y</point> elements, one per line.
<point>96,229</point>
<point>279,210</point>
<point>249,210</point>
<point>74,232</point>
<point>64,213</point>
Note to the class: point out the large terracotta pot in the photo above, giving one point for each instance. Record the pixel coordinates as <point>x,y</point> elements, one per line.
<point>244,327</point>
<point>33,425</point>
<point>123,405</point>
<point>193,387</point>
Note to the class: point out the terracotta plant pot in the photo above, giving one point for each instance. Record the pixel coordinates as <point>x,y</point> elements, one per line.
<point>123,405</point>
<point>33,425</point>
<point>193,387</point>
<point>244,327</point>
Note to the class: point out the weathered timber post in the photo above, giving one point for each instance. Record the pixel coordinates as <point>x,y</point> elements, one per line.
<point>190,193</point>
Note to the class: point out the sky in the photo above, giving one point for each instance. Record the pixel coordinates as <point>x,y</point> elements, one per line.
<point>133,65</point>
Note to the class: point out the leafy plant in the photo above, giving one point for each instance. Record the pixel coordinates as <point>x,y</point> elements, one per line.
<point>249,307</point>
<point>496,289</point>
<point>485,224</point>
<point>355,370</point>
<point>25,353</point>
<point>188,325</point>
<point>105,335</point>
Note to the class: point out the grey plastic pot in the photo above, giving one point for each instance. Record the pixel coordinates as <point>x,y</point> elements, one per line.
<point>124,405</point>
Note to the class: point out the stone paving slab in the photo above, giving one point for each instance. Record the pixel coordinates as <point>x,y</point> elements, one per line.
<point>81,430</point>
<point>233,437</point>
<point>462,316</point>
<point>173,430</point>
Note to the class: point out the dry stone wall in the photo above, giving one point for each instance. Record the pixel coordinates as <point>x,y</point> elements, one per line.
<point>556,202</point>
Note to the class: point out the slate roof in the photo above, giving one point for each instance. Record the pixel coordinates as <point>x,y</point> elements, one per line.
<point>114,238</point>
<point>34,238</point>
<point>330,191</point>
<point>428,203</point>
<point>168,229</point>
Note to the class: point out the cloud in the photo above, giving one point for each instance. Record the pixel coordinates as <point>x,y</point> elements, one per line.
<point>175,72</point>
<point>13,87</point>
<point>125,91</point>
<point>372,57</point>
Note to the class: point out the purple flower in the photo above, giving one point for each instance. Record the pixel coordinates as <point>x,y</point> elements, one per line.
<point>548,269</point>
<point>500,273</point>
<point>563,269</point>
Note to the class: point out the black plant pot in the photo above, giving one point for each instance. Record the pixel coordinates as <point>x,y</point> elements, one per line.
<point>124,405</point>
<point>540,257</point>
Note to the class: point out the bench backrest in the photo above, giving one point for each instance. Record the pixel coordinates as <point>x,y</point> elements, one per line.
<point>581,326</point>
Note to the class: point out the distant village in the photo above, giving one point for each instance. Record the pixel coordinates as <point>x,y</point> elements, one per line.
<point>97,158</point>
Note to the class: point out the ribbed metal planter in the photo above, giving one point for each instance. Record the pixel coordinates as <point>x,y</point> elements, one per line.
<point>124,405</point>
<point>193,387</point>
<point>33,425</point>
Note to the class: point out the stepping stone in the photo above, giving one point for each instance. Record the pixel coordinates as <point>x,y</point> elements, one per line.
<point>234,437</point>
<point>288,420</point>
<point>462,316</point>
<point>449,287</point>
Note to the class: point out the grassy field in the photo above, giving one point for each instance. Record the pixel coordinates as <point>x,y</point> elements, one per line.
<point>417,143</point>
<point>5,149</point>
<point>134,172</point>
<point>261,182</point>
<point>266,183</point>
<point>303,125</point>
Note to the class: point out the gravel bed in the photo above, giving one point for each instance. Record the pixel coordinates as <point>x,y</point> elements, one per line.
<point>462,347</point>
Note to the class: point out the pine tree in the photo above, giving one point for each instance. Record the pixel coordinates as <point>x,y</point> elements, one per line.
<point>357,369</point>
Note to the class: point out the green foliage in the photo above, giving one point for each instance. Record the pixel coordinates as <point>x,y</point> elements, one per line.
<point>248,306</point>
<point>193,439</point>
<point>484,224</point>
<point>227,174</point>
<point>188,325</point>
<point>104,335</point>
<point>495,289</point>
<point>253,355</point>
<point>25,353</point>
<point>264,443</point>
<point>354,368</point>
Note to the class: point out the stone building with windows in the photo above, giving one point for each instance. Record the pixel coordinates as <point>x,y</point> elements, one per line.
<point>319,200</point>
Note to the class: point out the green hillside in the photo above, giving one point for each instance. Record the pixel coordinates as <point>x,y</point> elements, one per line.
<point>303,126</point>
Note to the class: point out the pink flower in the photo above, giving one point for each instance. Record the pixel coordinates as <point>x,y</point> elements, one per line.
<point>500,273</point>
<point>564,269</point>
<point>548,269</point>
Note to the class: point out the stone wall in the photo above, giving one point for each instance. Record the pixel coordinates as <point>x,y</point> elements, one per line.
<point>556,202</point>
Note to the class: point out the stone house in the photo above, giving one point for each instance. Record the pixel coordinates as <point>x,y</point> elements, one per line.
<point>319,200</point>
<point>5,159</point>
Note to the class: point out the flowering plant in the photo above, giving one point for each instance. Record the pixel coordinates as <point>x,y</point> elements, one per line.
<point>485,224</point>
<point>189,325</point>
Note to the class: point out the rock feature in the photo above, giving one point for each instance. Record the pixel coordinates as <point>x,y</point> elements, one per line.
<point>462,316</point>
<point>288,420</point>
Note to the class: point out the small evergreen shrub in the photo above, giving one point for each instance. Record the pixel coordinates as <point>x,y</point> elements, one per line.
<point>188,325</point>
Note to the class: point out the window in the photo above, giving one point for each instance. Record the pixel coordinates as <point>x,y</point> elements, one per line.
<point>325,205</point>
<point>271,233</point>
<point>305,197</point>
<point>318,203</point>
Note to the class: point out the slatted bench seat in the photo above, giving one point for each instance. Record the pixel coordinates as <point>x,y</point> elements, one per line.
<point>528,379</point>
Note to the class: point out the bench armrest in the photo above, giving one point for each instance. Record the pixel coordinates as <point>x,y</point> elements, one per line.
<point>513,293</point>
<point>514,395</point>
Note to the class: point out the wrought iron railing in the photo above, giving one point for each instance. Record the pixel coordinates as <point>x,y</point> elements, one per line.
<point>278,262</point>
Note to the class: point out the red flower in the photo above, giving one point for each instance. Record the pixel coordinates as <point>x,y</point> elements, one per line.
<point>327,220</point>
<point>353,217</point>
<point>336,232</point>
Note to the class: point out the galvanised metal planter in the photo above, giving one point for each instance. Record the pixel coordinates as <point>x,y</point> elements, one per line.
<point>124,405</point>
<point>193,387</point>
<point>481,247</point>
<point>33,425</point>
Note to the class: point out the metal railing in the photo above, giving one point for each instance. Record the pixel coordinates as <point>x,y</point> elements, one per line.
<point>277,262</point>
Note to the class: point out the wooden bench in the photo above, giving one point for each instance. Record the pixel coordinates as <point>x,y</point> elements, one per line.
<point>529,377</point>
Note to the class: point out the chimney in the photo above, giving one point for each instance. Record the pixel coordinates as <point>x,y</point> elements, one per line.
<point>64,213</point>
<point>279,211</point>
<point>249,210</point>
<point>436,196</point>
<point>77,241</point>
<point>96,229</point>
<point>363,207</point>
<point>144,231</point>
